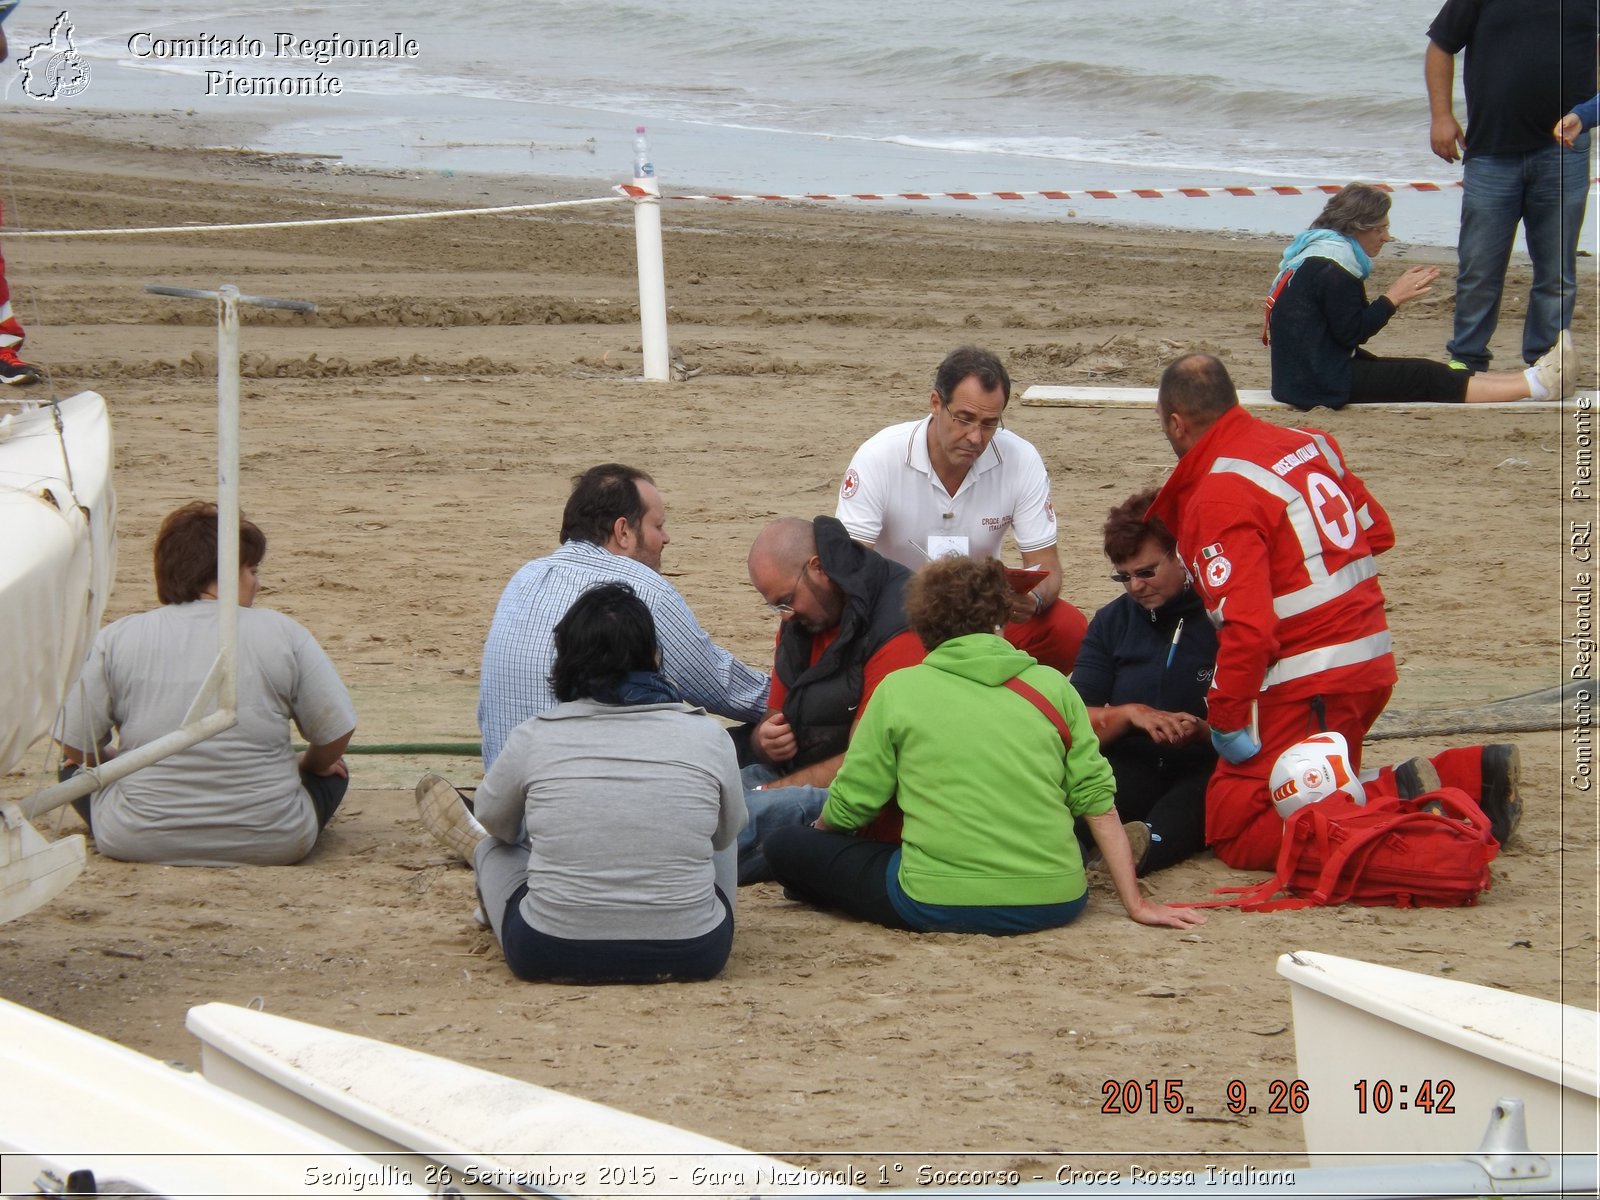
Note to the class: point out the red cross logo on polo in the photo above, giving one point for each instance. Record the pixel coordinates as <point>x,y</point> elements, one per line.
<point>1218,571</point>
<point>852,482</point>
<point>1331,507</point>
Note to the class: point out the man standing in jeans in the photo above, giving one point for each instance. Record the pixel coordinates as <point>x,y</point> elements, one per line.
<point>1528,63</point>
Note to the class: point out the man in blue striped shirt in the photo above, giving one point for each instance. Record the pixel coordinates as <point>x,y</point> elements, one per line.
<point>613,531</point>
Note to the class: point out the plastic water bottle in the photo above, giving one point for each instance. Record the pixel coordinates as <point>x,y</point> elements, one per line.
<point>643,168</point>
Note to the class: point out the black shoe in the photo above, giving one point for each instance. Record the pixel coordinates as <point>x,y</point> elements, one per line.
<point>1500,800</point>
<point>14,371</point>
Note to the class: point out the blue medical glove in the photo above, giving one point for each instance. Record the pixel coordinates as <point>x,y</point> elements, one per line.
<point>1238,746</point>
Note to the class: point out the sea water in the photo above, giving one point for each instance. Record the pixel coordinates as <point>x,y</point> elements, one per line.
<point>827,96</point>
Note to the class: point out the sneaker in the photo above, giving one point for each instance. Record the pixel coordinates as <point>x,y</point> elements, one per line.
<point>13,371</point>
<point>1554,375</point>
<point>1455,364</point>
<point>1499,798</point>
<point>1416,777</point>
<point>1568,354</point>
<point>445,814</point>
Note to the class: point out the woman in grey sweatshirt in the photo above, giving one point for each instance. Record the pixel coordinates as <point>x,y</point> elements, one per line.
<point>612,816</point>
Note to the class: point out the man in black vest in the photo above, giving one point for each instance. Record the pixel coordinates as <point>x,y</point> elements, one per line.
<point>844,629</point>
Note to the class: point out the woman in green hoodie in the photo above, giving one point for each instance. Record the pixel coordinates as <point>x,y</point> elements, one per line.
<point>991,758</point>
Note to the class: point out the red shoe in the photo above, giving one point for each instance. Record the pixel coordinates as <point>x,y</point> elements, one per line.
<point>13,371</point>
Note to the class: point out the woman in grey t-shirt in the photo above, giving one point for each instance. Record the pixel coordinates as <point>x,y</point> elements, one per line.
<point>241,796</point>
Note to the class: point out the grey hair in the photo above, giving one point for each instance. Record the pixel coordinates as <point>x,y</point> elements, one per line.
<point>1354,208</point>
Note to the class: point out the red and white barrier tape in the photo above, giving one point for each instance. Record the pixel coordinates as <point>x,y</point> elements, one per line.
<point>1266,189</point>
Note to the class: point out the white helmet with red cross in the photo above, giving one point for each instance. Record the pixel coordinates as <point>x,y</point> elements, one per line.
<point>1313,770</point>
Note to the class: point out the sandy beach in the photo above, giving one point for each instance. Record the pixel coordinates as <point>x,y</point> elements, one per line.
<point>410,445</point>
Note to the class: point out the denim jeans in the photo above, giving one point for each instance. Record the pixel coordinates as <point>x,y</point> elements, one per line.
<point>769,810</point>
<point>1546,191</point>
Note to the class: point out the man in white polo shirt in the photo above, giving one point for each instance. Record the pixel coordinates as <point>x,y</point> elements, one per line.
<point>953,483</point>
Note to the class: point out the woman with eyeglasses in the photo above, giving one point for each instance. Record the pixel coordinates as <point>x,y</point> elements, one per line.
<point>1318,320</point>
<point>1143,671</point>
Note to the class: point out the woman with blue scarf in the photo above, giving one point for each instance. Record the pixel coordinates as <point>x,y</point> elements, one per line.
<point>611,817</point>
<point>1318,319</point>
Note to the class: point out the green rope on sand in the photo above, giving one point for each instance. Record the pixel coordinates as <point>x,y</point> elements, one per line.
<point>457,749</point>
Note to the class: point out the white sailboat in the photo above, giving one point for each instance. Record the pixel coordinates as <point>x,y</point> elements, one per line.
<point>58,525</point>
<point>58,511</point>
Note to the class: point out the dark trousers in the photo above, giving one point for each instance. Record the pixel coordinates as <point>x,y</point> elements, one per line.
<point>834,871</point>
<point>1169,799</point>
<point>1376,380</point>
<point>326,792</point>
<point>541,957</point>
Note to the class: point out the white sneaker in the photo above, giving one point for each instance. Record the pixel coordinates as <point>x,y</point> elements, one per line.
<point>445,814</point>
<point>1555,374</point>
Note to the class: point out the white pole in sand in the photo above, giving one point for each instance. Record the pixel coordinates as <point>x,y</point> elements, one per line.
<point>652,279</point>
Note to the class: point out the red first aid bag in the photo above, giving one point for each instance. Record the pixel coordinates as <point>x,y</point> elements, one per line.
<point>1430,852</point>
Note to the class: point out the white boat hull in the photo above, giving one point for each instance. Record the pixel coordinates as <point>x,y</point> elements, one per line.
<point>493,1134</point>
<point>1373,1035</point>
<point>72,1101</point>
<point>58,522</point>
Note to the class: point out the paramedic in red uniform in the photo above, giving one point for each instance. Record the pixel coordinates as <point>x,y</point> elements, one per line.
<point>1280,537</point>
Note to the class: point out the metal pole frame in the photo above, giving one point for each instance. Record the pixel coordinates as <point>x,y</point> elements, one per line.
<point>221,686</point>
